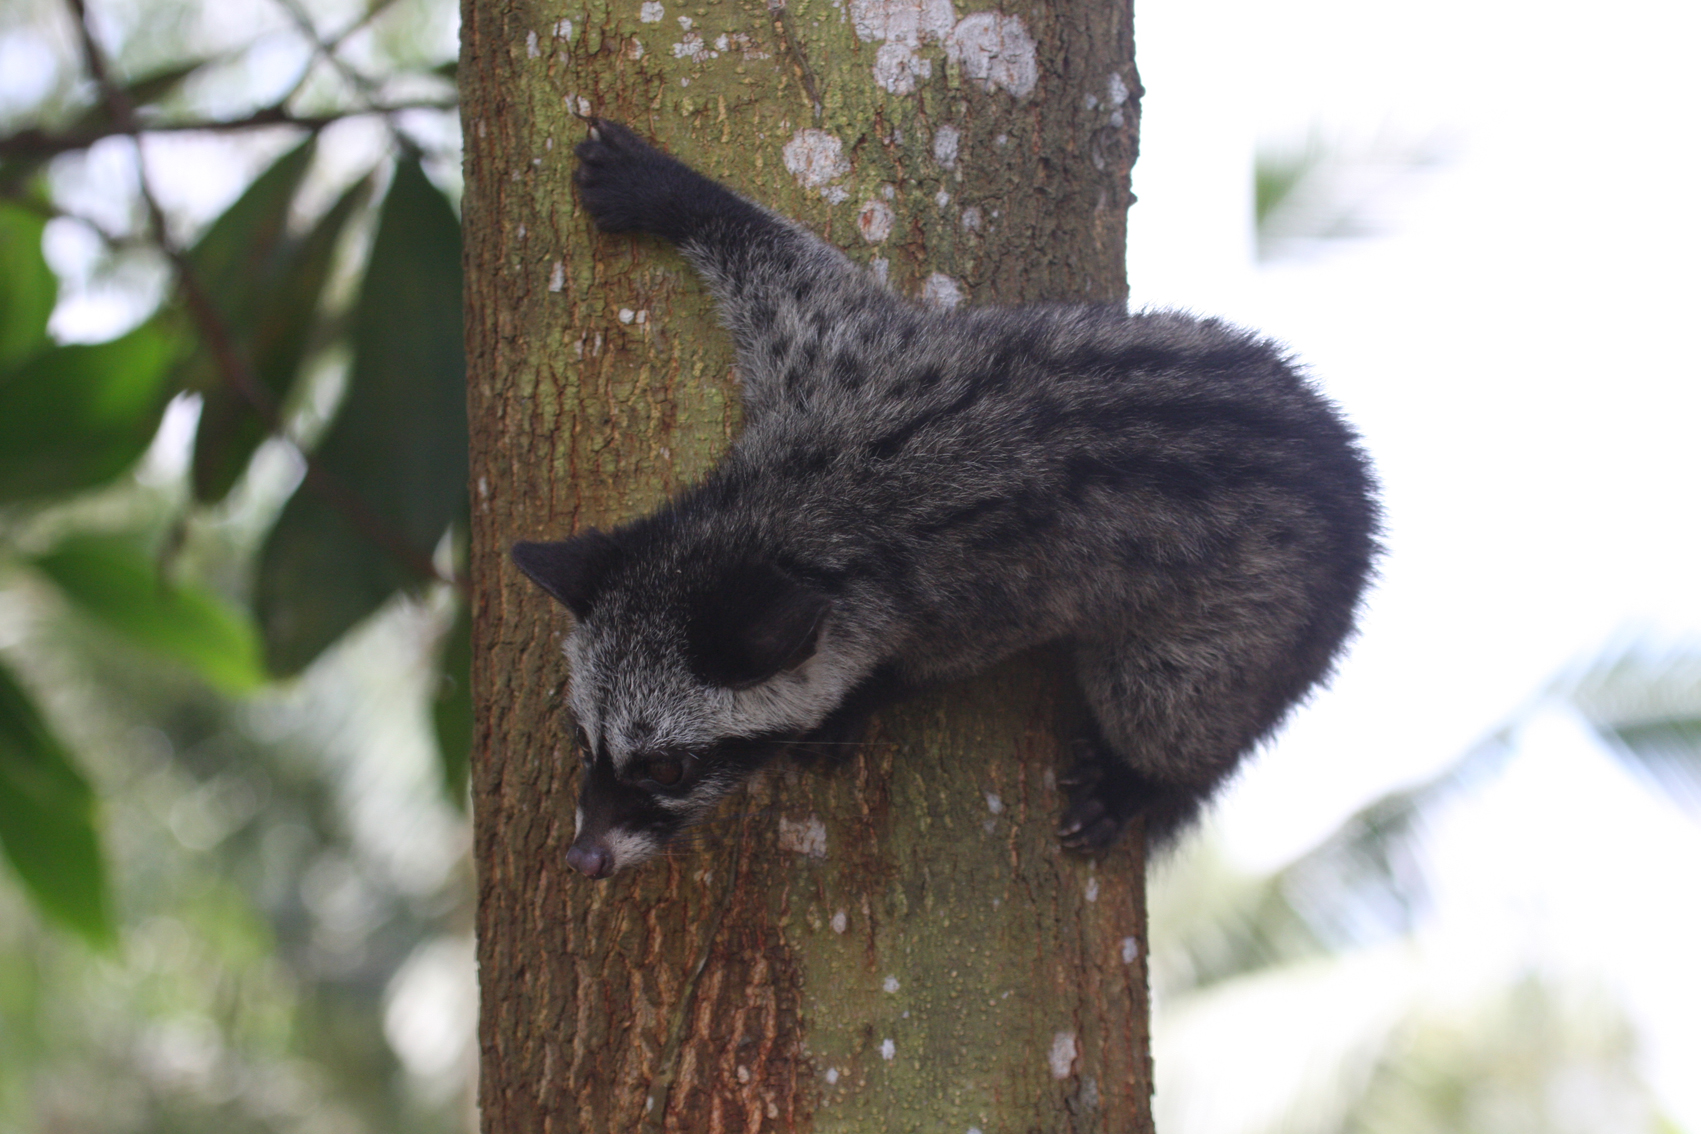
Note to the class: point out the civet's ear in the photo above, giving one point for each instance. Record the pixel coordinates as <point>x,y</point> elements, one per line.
<point>572,570</point>
<point>757,622</point>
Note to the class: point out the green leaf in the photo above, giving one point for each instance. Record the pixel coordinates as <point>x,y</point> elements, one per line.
<point>401,439</point>
<point>452,708</point>
<point>238,246</point>
<point>28,287</point>
<point>399,443</point>
<point>47,825</point>
<point>239,252</point>
<point>277,335</point>
<point>111,580</point>
<point>73,417</point>
<point>319,575</point>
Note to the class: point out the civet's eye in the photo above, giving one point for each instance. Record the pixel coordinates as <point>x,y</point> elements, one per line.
<point>665,770</point>
<point>584,739</point>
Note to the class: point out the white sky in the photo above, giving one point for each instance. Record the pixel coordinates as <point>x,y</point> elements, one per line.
<point>1516,350</point>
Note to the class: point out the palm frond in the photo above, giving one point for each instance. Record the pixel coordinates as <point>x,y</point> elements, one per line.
<point>1365,882</point>
<point>1644,703</point>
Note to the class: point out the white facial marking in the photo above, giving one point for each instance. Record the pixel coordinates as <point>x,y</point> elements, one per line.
<point>629,848</point>
<point>798,699</point>
<point>685,805</point>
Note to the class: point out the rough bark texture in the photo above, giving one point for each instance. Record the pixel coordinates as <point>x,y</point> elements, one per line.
<point>898,944</point>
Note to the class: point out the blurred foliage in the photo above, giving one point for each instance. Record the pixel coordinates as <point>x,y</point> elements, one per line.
<point>452,706</point>
<point>1533,1058</point>
<point>1330,936</point>
<point>262,925</point>
<point>261,477</point>
<point>112,581</point>
<point>1321,190</point>
<point>1646,705</point>
<point>399,443</point>
<point>77,417</point>
<point>1365,883</point>
<point>28,287</point>
<point>47,819</point>
<point>267,287</point>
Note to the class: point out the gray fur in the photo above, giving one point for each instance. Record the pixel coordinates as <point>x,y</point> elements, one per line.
<point>1166,495</point>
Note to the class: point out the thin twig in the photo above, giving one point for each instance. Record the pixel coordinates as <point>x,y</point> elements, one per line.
<point>231,362</point>
<point>41,144</point>
<point>328,47</point>
<point>363,85</point>
<point>304,24</point>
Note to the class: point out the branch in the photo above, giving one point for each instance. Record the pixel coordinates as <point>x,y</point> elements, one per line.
<point>328,47</point>
<point>39,144</point>
<point>232,364</point>
<point>304,24</point>
<point>363,85</point>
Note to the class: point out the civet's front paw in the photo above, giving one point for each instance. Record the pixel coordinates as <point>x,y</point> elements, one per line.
<point>628,185</point>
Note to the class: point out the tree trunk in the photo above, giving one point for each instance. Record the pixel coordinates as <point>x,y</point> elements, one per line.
<point>897,944</point>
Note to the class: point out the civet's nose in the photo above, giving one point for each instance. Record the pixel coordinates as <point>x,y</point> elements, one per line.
<point>591,861</point>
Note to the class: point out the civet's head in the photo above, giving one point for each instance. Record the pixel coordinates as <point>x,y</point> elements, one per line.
<point>687,675</point>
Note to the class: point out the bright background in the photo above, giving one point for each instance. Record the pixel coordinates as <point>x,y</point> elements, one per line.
<point>1514,339</point>
<point>1492,268</point>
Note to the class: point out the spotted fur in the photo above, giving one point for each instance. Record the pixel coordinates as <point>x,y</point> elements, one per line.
<point>917,494</point>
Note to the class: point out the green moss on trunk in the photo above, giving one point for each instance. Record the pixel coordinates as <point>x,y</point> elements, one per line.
<point>896,944</point>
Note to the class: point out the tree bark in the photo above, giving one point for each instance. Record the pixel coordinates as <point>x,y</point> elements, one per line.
<point>898,943</point>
